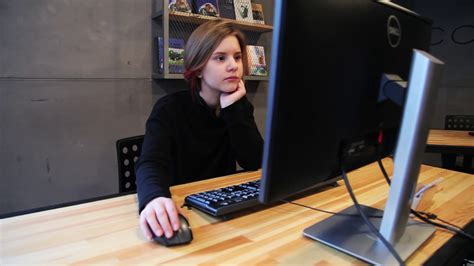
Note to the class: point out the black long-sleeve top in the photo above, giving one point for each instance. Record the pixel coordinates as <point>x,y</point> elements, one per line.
<point>186,141</point>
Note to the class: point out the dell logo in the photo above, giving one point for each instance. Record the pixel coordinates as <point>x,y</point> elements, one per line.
<point>394,31</point>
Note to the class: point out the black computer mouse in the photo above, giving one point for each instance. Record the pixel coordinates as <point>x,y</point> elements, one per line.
<point>183,236</point>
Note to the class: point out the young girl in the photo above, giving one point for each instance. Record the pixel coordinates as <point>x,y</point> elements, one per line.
<point>201,133</point>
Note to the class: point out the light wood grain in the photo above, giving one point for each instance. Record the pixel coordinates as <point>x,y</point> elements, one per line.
<point>107,232</point>
<point>450,138</point>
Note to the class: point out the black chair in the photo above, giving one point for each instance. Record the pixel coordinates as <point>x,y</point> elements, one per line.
<point>458,162</point>
<point>459,122</point>
<point>128,151</point>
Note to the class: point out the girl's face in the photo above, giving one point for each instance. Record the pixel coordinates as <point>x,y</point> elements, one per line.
<point>224,70</point>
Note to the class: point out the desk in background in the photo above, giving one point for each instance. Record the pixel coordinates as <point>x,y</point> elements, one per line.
<point>450,144</point>
<point>450,141</point>
<point>107,231</point>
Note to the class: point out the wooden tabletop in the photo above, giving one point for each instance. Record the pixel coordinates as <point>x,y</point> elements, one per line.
<point>450,138</point>
<point>107,231</point>
<point>450,141</point>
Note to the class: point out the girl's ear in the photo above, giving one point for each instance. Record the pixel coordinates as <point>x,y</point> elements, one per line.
<point>199,74</point>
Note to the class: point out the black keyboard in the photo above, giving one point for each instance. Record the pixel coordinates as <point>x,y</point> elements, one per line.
<point>227,199</point>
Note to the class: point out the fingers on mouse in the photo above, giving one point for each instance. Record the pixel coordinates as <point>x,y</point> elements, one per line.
<point>183,236</point>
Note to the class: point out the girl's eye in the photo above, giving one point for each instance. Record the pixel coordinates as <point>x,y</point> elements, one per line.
<point>220,58</point>
<point>238,57</point>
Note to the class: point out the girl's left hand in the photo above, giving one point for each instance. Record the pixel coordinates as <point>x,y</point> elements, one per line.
<point>227,99</point>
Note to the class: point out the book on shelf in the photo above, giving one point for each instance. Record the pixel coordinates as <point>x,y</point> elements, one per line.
<point>206,8</point>
<point>243,10</point>
<point>175,55</point>
<point>257,13</point>
<point>257,65</point>
<point>179,5</point>
<point>159,45</point>
<point>226,9</point>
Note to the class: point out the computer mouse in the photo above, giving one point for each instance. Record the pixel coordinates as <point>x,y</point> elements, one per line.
<point>183,236</point>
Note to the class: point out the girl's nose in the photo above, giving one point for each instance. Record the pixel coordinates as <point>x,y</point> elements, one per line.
<point>232,65</point>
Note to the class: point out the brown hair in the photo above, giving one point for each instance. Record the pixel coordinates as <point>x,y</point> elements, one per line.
<point>202,43</point>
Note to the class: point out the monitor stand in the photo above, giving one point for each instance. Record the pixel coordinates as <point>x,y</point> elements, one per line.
<point>350,234</point>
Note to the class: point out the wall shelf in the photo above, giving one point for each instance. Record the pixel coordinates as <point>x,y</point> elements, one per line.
<point>199,19</point>
<point>169,25</point>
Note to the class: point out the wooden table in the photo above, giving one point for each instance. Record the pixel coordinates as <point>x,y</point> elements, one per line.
<point>107,231</point>
<point>450,141</point>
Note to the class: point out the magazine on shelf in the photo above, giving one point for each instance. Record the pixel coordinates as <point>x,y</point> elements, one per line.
<point>257,13</point>
<point>179,5</point>
<point>176,55</point>
<point>226,9</point>
<point>256,60</point>
<point>206,8</point>
<point>243,10</point>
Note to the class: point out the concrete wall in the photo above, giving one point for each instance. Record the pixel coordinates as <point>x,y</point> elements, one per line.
<point>58,137</point>
<point>457,91</point>
<point>74,78</point>
<point>456,94</point>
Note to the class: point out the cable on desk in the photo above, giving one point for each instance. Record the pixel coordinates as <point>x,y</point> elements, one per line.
<point>428,216</point>
<point>330,212</point>
<point>369,224</point>
<point>361,214</point>
<point>432,216</point>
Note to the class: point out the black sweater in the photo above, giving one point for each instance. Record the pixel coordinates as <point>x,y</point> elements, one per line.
<point>185,141</point>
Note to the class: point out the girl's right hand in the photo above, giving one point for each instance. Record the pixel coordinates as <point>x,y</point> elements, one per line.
<point>228,98</point>
<point>160,216</point>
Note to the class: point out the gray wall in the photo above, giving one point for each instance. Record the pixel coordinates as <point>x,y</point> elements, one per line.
<point>456,94</point>
<point>74,78</point>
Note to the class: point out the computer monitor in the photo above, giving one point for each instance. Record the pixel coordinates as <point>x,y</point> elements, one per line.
<point>330,101</point>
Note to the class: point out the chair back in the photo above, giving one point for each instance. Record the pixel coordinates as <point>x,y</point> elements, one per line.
<point>128,151</point>
<point>459,122</point>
